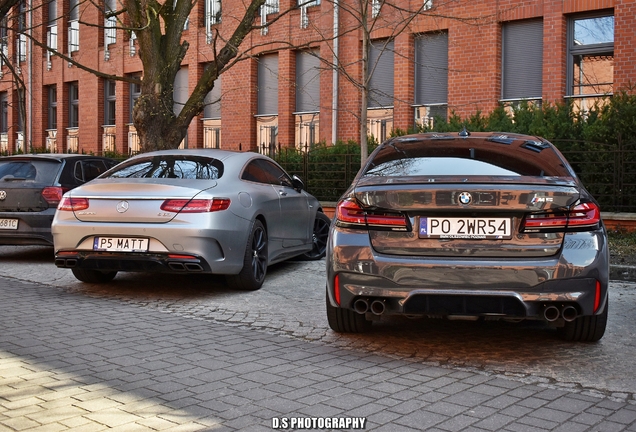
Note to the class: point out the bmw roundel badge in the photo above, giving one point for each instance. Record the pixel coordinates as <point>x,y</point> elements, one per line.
<point>465,198</point>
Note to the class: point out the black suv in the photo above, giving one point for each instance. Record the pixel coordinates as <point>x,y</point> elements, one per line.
<point>31,187</point>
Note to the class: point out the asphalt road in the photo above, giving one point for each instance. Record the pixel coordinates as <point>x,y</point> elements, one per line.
<point>291,303</point>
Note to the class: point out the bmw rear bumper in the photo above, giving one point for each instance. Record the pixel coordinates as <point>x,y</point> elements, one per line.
<point>574,281</point>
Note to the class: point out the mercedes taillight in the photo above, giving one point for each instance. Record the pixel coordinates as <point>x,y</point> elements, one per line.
<point>195,205</point>
<point>73,204</point>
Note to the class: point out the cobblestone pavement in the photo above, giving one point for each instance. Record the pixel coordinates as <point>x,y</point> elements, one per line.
<point>168,353</point>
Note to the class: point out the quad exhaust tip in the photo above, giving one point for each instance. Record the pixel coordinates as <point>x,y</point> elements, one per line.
<point>552,313</point>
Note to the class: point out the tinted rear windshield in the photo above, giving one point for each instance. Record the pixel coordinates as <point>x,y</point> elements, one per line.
<point>40,171</point>
<point>468,157</point>
<point>169,166</point>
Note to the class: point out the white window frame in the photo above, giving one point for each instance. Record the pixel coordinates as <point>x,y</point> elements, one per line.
<point>73,36</point>
<point>212,16</point>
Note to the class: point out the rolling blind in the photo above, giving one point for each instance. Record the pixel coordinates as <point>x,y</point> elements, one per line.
<point>268,84</point>
<point>381,57</point>
<point>522,60</point>
<point>307,81</point>
<point>431,69</point>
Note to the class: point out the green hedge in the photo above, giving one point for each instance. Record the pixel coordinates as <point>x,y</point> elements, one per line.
<point>600,144</point>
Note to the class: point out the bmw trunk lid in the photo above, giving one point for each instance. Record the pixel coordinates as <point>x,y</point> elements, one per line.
<point>453,219</point>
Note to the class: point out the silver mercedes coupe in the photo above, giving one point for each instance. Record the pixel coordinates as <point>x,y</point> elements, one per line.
<point>189,211</point>
<point>469,226</point>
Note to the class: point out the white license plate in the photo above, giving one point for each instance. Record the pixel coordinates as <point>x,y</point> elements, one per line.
<point>9,224</point>
<point>120,244</point>
<point>465,228</point>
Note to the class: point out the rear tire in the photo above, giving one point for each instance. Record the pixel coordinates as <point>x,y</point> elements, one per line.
<point>345,320</point>
<point>254,269</point>
<point>320,235</point>
<point>93,276</point>
<point>585,328</point>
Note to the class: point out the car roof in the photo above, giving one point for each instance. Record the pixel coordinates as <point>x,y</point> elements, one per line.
<point>50,156</point>
<point>518,152</point>
<point>219,154</point>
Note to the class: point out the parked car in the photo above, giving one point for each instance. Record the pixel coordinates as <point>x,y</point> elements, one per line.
<point>469,226</point>
<point>31,186</point>
<point>189,211</point>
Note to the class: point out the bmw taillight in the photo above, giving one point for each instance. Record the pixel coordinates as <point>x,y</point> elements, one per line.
<point>195,205</point>
<point>73,204</point>
<point>581,216</point>
<point>350,214</point>
<point>53,194</point>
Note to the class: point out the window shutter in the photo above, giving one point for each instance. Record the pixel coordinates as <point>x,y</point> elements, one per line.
<point>431,69</point>
<point>181,92</point>
<point>381,71</point>
<point>522,60</point>
<point>212,108</point>
<point>307,81</point>
<point>268,84</point>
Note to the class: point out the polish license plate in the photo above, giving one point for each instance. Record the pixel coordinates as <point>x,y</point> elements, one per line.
<point>465,228</point>
<point>9,224</point>
<point>120,244</point>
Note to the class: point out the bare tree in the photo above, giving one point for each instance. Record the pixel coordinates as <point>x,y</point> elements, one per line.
<point>5,7</point>
<point>158,28</point>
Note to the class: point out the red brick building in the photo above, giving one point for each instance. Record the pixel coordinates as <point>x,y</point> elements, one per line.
<point>462,56</point>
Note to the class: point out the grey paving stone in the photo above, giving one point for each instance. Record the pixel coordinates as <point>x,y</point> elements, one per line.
<point>494,422</point>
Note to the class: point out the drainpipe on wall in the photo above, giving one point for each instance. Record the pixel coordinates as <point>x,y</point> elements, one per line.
<point>336,63</point>
<point>29,108</point>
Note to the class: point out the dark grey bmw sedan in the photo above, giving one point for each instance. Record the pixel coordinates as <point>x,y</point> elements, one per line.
<point>469,226</point>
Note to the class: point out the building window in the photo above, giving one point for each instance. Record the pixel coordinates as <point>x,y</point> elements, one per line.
<point>135,92</point>
<point>431,77</point>
<point>181,93</point>
<point>380,86</point>
<point>268,84</point>
<point>4,40</point>
<point>380,89</point>
<point>4,113</point>
<point>307,81</point>
<point>52,107</point>
<point>522,60</point>
<point>212,14</point>
<point>73,110</point>
<point>270,7</point>
<point>590,58</point>
<point>109,101</point>
<point>110,22</point>
<point>307,98</point>
<point>73,26</point>
<point>212,107</point>
<point>51,33</point>
<point>376,5</point>
<point>21,39</point>
<point>267,121</point>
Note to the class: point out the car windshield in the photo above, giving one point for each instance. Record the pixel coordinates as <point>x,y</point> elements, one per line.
<point>41,171</point>
<point>468,158</point>
<point>169,166</point>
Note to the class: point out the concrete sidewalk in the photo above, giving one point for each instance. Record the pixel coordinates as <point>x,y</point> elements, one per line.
<point>72,362</point>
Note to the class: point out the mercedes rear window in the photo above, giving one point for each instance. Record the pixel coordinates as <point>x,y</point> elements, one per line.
<point>460,157</point>
<point>169,166</point>
<point>39,171</point>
